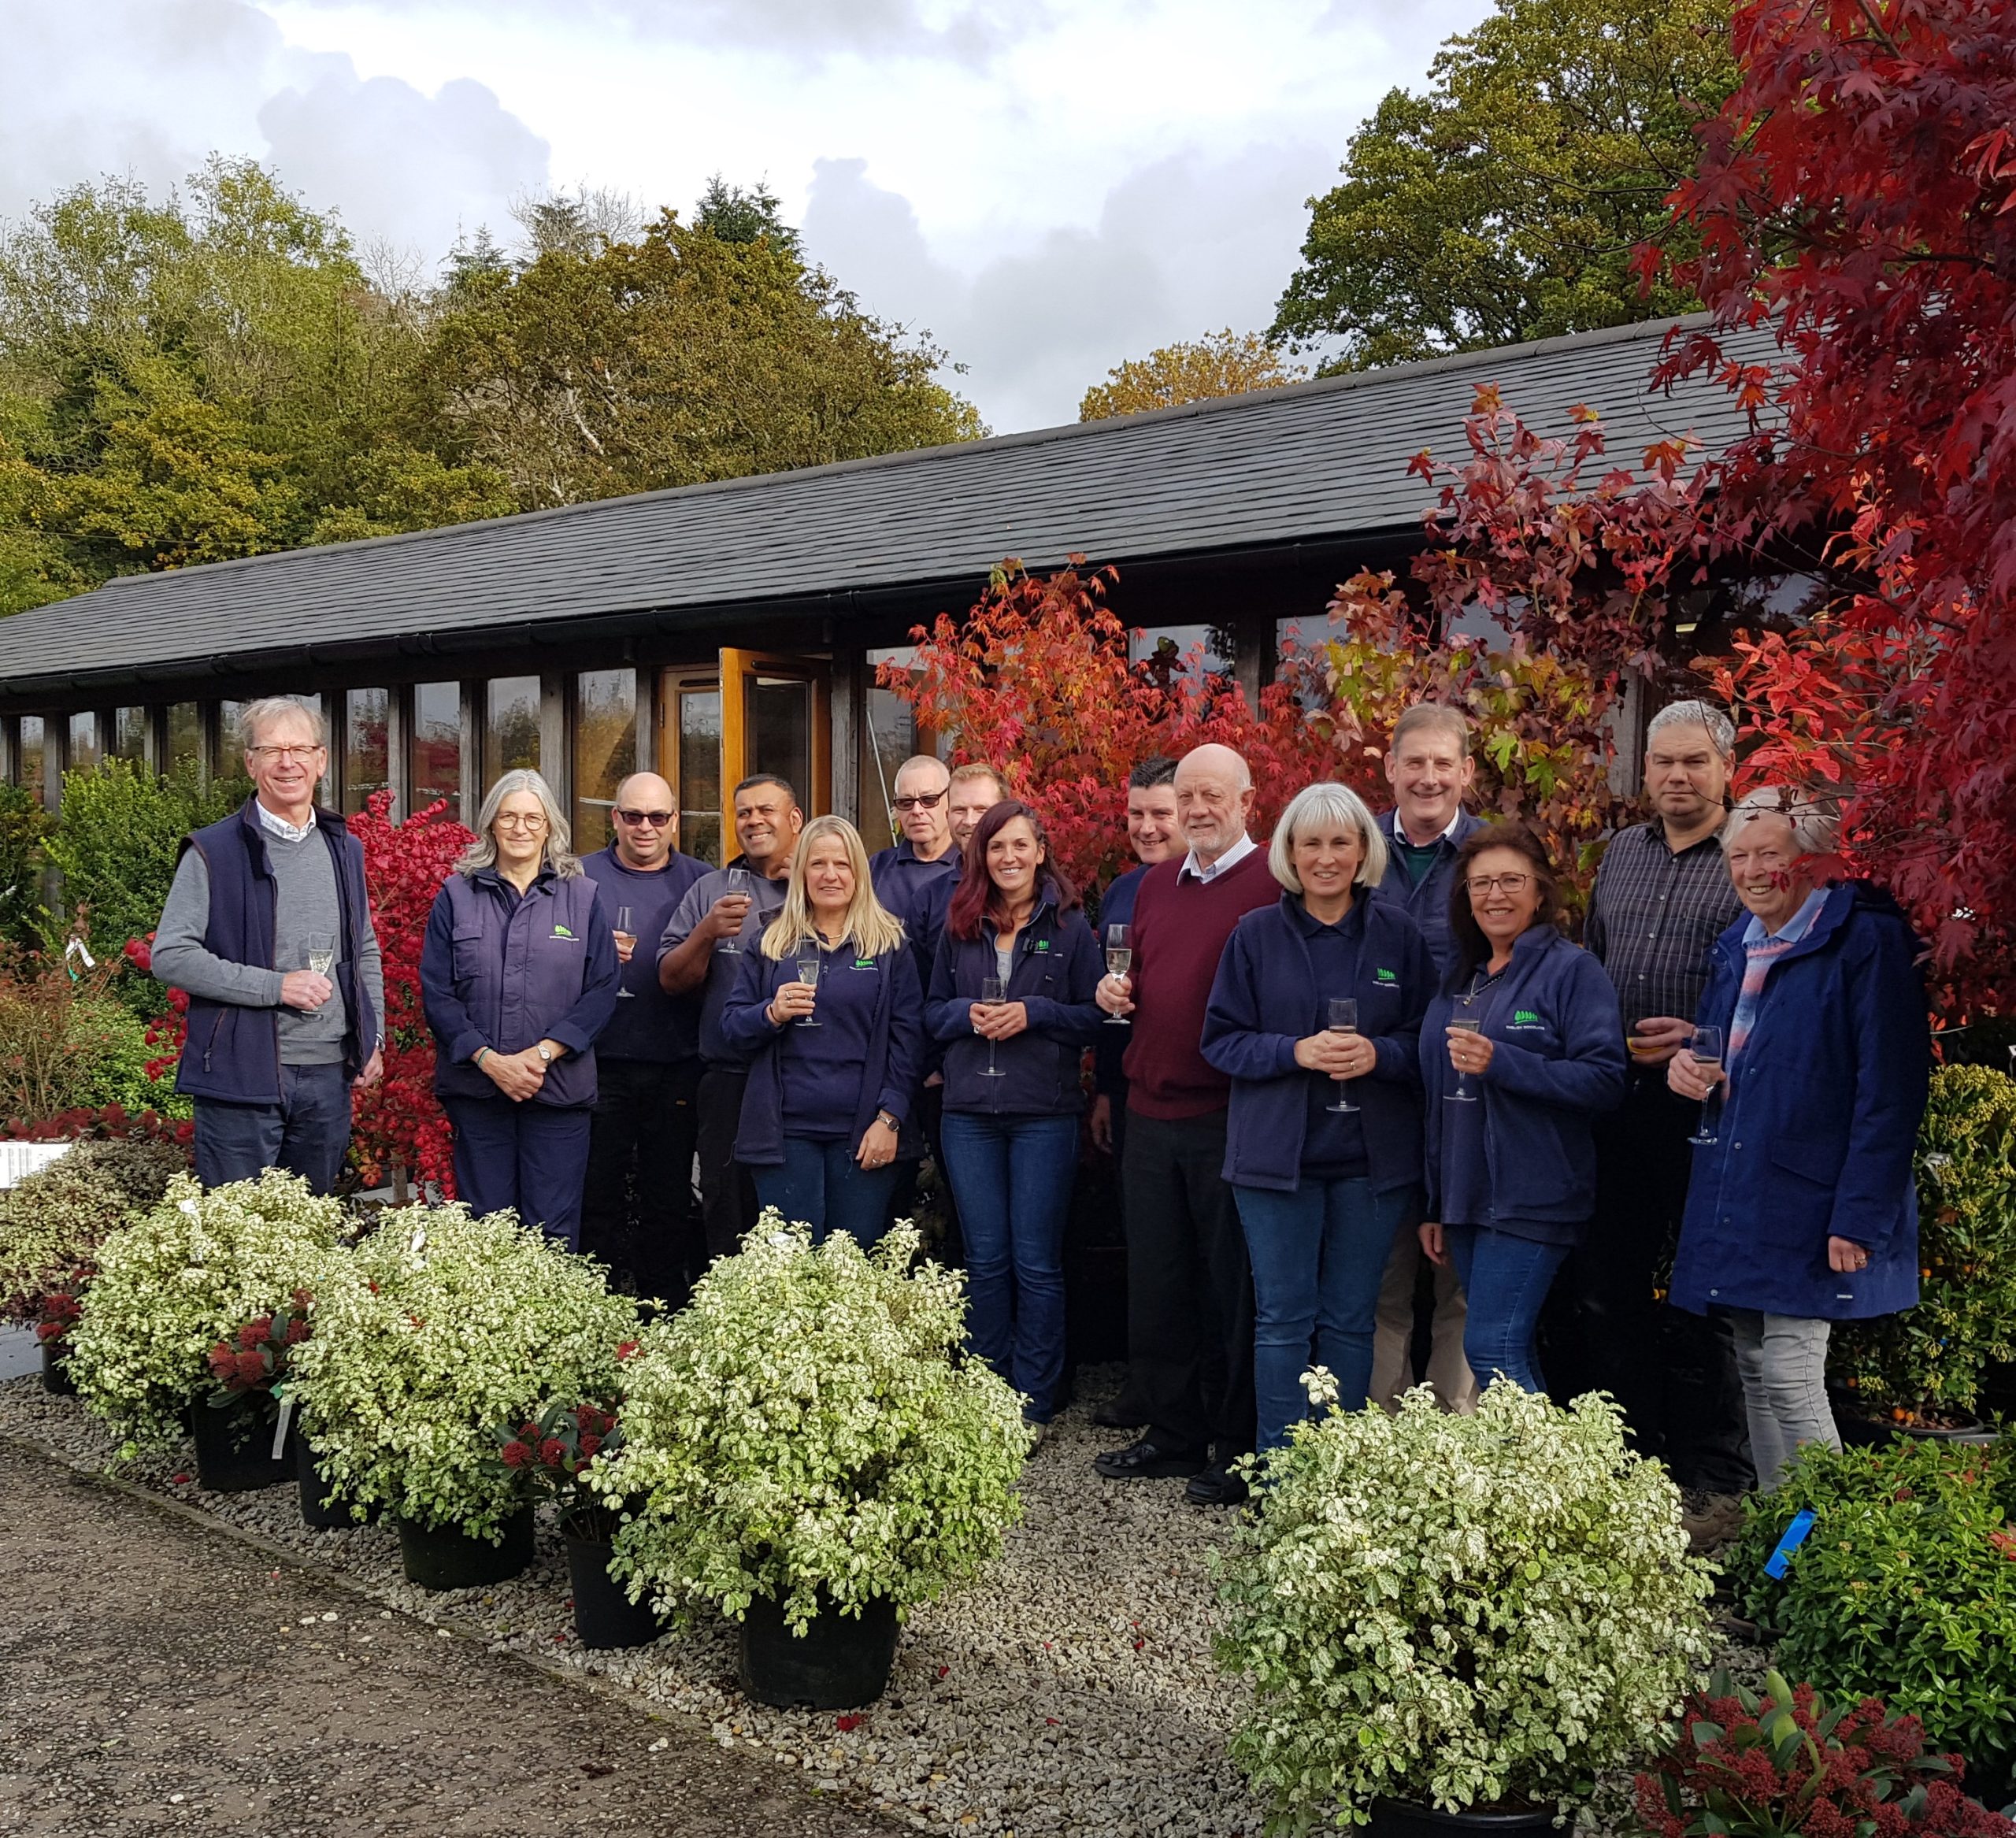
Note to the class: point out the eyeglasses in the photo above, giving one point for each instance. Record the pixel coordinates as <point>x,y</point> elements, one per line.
<point>1506,883</point>
<point>656,819</point>
<point>286,755</point>
<point>510,819</point>
<point>920,800</point>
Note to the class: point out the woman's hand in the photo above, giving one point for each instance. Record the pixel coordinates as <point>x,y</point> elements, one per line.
<point>792,1000</point>
<point>1003,1020</point>
<point>1100,1122</point>
<point>1115,995</point>
<point>1341,1056</point>
<point>1432,1245</point>
<point>518,1076</point>
<point>1468,1051</point>
<point>1686,1077</point>
<point>878,1146</point>
<point>1845,1257</point>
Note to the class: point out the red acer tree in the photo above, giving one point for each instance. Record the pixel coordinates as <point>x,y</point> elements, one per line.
<point>1857,194</point>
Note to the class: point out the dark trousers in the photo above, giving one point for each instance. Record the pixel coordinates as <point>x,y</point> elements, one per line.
<point>307,1132</point>
<point>529,1159</point>
<point>820,1184</point>
<point>638,1213</point>
<point>1672,1374</point>
<point>728,1196</point>
<point>1189,1289</point>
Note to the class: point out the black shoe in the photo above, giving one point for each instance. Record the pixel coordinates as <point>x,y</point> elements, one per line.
<point>1120,1413</point>
<point>1217,1486</point>
<point>1147,1461</point>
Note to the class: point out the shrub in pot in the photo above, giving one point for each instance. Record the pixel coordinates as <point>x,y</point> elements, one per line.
<point>439,1326</point>
<point>1905,1588</point>
<point>1456,1615</point>
<point>184,1277</point>
<point>241,1428</point>
<point>1746,1765</point>
<point>1922,1368</point>
<point>806,1451</point>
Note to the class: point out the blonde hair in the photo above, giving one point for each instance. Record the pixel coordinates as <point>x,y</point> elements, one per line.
<point>1327,803</point>
<point>559,854</point>
<point>873,928</point>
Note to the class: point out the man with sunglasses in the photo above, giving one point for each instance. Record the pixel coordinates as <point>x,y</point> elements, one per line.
<point>647,1115</point>
<point>926,852</point>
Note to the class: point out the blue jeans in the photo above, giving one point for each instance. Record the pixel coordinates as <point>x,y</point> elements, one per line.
<point>1505,1280</point>
<point>1319,1256</point>
<point>821,1185</point>
<point>530,1159</point>
<point>307,1132</point>
<point>1012,1177</point>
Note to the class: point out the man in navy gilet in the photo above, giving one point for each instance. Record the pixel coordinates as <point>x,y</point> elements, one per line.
<point>268,928</point>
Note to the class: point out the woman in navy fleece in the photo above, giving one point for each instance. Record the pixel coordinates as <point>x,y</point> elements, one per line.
<point>1320,1192</point>
<point>1512,1175</point>
<point>826,1103</point>
<point>1011,1133</point>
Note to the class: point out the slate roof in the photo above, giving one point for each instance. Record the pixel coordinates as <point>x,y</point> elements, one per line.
<point>1314,461</point>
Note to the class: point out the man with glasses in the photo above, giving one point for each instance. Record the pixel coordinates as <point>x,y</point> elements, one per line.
<point>637,1211</point>
<point>926,852</point>
<point>720,922</point>
<point>268,929</point>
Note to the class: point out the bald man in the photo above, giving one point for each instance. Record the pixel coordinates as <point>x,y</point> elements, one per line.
<point>638,1210</point>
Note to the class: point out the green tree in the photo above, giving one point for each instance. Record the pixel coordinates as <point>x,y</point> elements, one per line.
<point>1503,204</point>
<point>1221,363</point>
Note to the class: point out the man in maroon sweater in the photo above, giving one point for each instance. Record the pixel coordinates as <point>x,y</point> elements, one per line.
<point>1189,1288</point>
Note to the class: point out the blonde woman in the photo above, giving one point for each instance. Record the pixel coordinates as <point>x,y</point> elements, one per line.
<point>830,1009</point>
<point>518,976</point>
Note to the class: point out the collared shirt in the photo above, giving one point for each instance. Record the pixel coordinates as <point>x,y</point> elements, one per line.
<point>1761,950</point>
<point>287,831</point>
<point>1653,917</point>
<point>1231,858</point>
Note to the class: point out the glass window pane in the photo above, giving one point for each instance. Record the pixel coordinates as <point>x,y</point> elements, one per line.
<point>1182,643</point>
<point>510,733</point>
<point>228,761</point>
<point>888,737</point>
<point>367,755</point>
<point>185,735</point>
<point>434,763</point>
<point>29,772</point>
<point>129,733</point>
<point>84,742</point>
<point>778,711</point>
<point>605,750</point>
<point>700,773</point>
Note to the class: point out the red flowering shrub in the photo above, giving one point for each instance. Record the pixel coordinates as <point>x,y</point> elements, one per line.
<point>548,1455</point>
<point>254,1360</point>
<point>168,1030</point>
<point>1746,1767</point>
<point>60,1313</point>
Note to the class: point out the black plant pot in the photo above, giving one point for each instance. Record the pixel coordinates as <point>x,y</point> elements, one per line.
<point>841,1662</point>
<point>235,1449</point>
<point>448,1558</point>
<point>1858,1432</point>
<point>1402,1818</point>
<point>323,1509</point>
<point>604,1616</point>
<point>55,1379</point>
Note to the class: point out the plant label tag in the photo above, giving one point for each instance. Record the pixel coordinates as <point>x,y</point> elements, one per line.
<point>279,1426</point>
<point>1803,1522</point>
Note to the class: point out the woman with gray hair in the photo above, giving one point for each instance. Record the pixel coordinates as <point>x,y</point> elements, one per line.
<point>1315,1017</point>
<point>1812,1036</point>
<point>518,976</point>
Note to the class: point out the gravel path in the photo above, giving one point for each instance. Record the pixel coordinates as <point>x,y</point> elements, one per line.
<point>1071,1694</point>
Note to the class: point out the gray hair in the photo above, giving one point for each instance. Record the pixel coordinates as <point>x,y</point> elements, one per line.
<point>269,709</point>
<point>1816,822</point>
<point>482,853</point>
<point>1719,728</point>
<point>1326,804</point>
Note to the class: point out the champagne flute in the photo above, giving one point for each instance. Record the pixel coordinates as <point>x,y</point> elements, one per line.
<point>321,952</point>
<point>1704,1048</point>
<point>625,934</point>
<point>993,993</point>
<point>808,968</point>
<point>1462,1094</point>
<point>1343,1020</point>
<point>1119,960</point>
<point>738,888</point>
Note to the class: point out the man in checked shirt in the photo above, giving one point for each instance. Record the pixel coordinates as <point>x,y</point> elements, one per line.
<point>1662,896</point>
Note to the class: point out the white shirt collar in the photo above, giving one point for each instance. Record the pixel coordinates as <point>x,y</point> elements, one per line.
<point>281,827</point>
<point>1231,858</point>
<point>1794,928</point>
<point>1448,834</point>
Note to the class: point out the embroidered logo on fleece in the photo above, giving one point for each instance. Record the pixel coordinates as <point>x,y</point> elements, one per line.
<point>560,931</point>
<point>1384,975</point>
<point>1525,1017</point>
<point>864,963</point>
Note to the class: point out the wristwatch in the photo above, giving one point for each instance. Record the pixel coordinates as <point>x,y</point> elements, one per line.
<point>888,1122</point>
<point>545,1052</point>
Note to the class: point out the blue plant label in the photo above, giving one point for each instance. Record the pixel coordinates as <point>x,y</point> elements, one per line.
<point>1803,1522</point>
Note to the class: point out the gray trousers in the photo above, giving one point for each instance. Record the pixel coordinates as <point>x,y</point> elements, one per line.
<point>1782,1360</point>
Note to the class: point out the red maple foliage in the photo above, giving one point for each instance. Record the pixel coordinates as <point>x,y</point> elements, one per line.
<point>1857,193</point>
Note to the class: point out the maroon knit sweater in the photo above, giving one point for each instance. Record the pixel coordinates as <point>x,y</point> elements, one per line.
<point>1180,932</point>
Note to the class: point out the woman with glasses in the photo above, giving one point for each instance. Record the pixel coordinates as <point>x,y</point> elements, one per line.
<point>518,976</point>
<point>828,1007</point>
<point>1521,1050</point>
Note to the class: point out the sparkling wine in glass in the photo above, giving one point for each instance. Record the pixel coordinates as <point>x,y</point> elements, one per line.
<point>1462,1094</point>
<point>1704,1048</point>
<point>626,934</point>
<point>321,952</point>
<point>808,968</point>
<point>1119,960</point>
<point>738,887</point>
<point>993,993</point>
<point>1343,1020</point>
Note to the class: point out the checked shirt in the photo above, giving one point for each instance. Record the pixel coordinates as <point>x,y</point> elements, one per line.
<point>1652,917</point>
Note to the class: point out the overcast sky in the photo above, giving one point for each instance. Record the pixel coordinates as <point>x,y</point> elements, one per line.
<point>1049,186</point>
